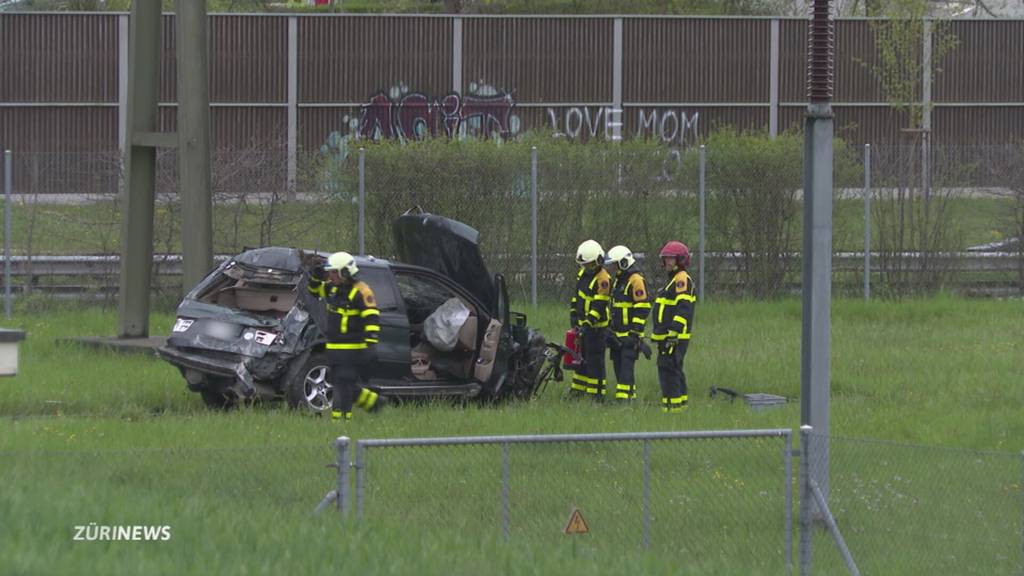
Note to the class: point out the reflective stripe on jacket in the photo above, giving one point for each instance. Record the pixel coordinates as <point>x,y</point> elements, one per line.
<point>630,305</point>
<point>673,309</point>
<point>589,304</point>
<point>353,320</point>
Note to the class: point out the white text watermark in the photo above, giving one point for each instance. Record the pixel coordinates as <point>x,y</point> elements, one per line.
<point>93,532</point>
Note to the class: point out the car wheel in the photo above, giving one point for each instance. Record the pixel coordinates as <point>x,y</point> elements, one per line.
<point>308,388</point>
<point>218,400</point>
<point>528,371</point>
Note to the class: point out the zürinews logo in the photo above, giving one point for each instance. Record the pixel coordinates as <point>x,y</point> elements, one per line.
<point>93,532</point>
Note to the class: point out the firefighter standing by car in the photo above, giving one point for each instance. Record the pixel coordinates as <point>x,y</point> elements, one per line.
<point>673,322</point>
<point>352,331</point>
<point>629,310</point>
<point>589,316</point>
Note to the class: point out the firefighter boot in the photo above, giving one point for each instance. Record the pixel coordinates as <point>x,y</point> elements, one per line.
<point>370,401</point>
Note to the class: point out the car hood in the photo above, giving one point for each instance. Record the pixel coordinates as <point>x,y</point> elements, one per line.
<point>448,247</point>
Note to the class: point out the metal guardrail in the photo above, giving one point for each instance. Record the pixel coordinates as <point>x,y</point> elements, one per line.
<point>83,276</point>
<point>170,264</point>
<point>91,265</point>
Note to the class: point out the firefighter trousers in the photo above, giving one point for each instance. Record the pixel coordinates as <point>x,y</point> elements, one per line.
<point>347,369</point>
<point>671,375</point>
<point>624,358</point>
<point>589,378</point>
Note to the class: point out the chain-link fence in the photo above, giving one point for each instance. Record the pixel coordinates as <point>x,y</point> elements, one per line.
<point>921,218</point>
<point>604,193</point>
<point>910,509</point>
<point>946,217</point>
<point>722,499</point>
<point>722,495</point>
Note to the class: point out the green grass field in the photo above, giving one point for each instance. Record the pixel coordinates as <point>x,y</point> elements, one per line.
<point>88,436</point>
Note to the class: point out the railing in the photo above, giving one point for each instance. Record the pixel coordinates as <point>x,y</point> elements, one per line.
<point>661,490</point>
<point>65,275</point>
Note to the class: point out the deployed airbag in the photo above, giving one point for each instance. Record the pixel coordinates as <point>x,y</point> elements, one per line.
<point>442,327</point>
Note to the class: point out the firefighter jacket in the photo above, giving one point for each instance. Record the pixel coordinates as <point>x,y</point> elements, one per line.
<point>353,320</point>
<point>589,305</point>
<point>630,304</point>
<point>673,309</point>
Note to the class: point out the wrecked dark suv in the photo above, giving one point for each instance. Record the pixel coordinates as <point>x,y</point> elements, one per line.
<point>251,330</point>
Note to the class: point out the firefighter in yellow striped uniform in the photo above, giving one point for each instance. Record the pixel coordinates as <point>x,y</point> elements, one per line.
<point>352,332</point>
<point>673,323</point>
<point>629,312</point>
<point>588,313</point>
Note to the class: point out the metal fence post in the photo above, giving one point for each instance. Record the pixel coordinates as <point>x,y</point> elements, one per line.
<point>787,459</point>
<point>833,528</point>
<point>700,248</point>
<point>647,494</point>
<point>805,501</point>
<point>8,184</point>
<point>505,481</point>
<point>533,225</point>
<point>362,201</point>
<point>867,221</point>
<point>360,478</point>
<point>343,464</point>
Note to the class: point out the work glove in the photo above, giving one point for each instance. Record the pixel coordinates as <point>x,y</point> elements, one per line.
<point>667,347</point>
<point>630,341</point>
<point>318,273</point>
<point>644,348</point>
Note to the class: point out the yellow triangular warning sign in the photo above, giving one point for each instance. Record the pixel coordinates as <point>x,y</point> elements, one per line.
<point>576,524</point>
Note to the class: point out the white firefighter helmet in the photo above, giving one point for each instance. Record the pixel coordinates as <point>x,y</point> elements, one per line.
<point>589,251</point>
<point>621,256</point>
<point>342,261</point>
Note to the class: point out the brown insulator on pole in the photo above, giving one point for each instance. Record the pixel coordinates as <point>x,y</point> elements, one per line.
<point>820,51</point>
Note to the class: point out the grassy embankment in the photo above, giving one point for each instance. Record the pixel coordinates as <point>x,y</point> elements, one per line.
<point>95,437</point>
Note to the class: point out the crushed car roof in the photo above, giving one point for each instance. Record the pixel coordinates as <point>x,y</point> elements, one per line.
<point>274,257</point>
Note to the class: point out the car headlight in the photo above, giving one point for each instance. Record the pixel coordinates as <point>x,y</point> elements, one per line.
<point>182,324</point>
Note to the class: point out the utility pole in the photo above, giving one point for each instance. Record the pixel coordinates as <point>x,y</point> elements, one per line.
<point>817,241</point>
<point>194,143</point>
<point>142,141</point>
<point>140,169</point>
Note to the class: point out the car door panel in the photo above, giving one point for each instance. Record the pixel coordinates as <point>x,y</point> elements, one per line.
<point>503,337</point>
<point>393,353</point>
<point>422,291</point>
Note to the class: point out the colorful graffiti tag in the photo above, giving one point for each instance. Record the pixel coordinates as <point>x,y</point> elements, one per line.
<point>415,115</point>
<point>489,112</point>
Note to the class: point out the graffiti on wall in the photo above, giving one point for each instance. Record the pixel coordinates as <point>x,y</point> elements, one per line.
<point>401,114</point>
<point>584,121</point>
<point>673,127</point>
<point>486,111</point>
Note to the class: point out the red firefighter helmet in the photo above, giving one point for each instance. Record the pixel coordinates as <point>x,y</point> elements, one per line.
<point>679,251</point>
